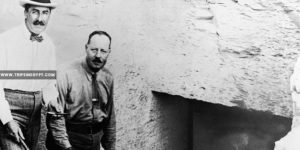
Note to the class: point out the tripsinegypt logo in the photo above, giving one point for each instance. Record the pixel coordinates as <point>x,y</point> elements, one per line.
<point>27,74</point>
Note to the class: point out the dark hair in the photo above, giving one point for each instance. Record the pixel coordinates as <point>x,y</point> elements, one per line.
<point>27,6</point>
<point>99,33</point>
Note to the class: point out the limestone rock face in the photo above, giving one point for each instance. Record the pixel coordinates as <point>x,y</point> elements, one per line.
<point>229,52</point>
<point>259,43</point>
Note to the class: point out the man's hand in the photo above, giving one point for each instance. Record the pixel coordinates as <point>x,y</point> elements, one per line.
<point>14,130</point>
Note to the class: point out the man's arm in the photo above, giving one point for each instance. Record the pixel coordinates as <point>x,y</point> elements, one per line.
<point>56,124</point>
<point>294,79</point>
<point>109,138</point>
<point>5,114</point>
<point>50,91</point>
<point>6,118</point>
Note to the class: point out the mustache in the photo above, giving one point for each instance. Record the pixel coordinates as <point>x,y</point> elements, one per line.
<point>97,60</point>
<point>37,22</point>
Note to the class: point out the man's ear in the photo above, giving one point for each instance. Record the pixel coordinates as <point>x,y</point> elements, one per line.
<point>86,46</point>
<point>25,14</point>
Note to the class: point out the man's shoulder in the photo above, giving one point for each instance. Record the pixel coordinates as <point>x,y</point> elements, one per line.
<point>12,29</point>
<point>107,73</point>
<point>11,33</point>
<point>47,38</point>
<point>70,66</point>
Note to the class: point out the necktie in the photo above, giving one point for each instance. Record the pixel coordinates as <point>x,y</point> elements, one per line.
<point>96,98</point>
<point>35,37</point>
<point>95,92</point>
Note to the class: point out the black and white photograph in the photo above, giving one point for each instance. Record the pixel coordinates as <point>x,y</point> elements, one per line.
<point>149,74</point>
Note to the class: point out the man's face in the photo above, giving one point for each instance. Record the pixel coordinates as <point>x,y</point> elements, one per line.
<point>97,52</point>
<point>37,18</point>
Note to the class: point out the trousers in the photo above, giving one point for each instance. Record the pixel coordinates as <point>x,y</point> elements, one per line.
<point>78,141</point>
<point>26,111</point>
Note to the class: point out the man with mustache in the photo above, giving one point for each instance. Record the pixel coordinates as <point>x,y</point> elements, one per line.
<point>85,89</point>
<point>26,48</point>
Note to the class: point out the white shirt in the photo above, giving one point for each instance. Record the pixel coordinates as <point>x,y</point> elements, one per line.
<point>295,78</point>
<point>18,52</point>
<point>295,88</point>
<point>291,140</point>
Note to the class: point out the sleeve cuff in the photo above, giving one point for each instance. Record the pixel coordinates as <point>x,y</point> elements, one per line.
<point>5,114</point>
<point>6,119</point>
<point>65,144</point>
<point>49,94</point>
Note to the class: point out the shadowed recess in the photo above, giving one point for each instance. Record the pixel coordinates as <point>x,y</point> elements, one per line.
<point>193,124</point>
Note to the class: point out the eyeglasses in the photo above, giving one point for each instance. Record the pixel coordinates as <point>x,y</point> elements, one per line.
<point>101,51</point>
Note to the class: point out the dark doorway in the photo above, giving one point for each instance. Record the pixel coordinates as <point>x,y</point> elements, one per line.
<point>197,125</point>
<point>174,122</point>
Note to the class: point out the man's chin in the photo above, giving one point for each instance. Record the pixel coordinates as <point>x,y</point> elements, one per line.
<point>97,67</point>
<point>37,31</point>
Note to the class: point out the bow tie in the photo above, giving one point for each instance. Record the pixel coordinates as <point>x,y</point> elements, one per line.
<point>36,38</point>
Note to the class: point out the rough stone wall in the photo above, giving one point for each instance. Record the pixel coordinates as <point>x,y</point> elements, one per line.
<point>259,43</point>
<point>231,52</point>
<point>220,51</point>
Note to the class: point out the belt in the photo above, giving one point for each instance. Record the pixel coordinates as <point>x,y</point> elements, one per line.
<point>84,128</point>
<point>22,92</point>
